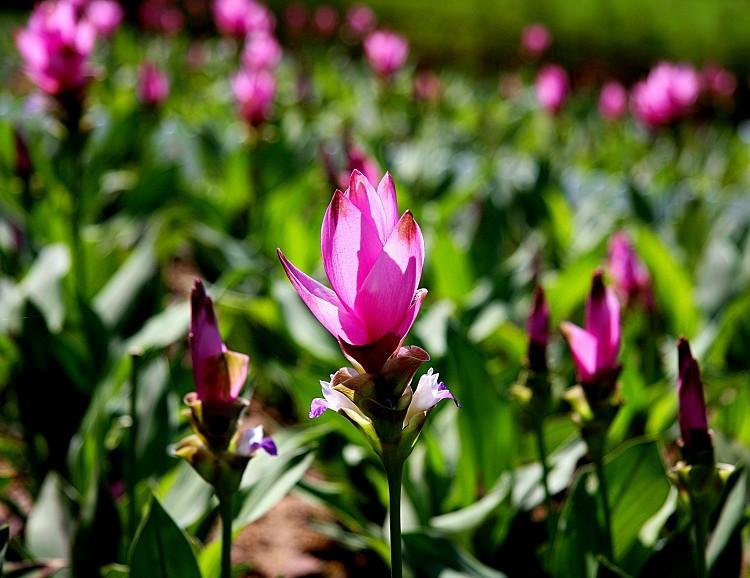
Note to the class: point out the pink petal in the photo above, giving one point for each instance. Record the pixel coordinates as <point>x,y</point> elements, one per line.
<point>412,313</point>
<point>385,297</point>
<point>349,242</point>
<point>387,194</point>
<point>378,208</point>
<point>603,322</point>
<point>583,347</point>
<point>324,304</point>
<point>206,345</point>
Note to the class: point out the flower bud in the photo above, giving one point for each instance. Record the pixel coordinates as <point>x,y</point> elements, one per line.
<point>696,439</point>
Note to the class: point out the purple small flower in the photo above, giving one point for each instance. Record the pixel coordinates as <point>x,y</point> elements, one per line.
<point>428,393</point>
<point>335,401</point>
<point>253,441</point>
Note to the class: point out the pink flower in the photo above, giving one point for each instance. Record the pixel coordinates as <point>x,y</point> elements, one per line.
<point>325,20</point>
<point>666,94</point>
<point>536,39</point>
<point>219,374</point>
<point>595,347</point>
<point>261,51</point>
<point>427,86</point>
<point>153,85</point>
<point>357,160</point>
<point>161,16</point>
<point>105,16</point>
<point>295,16</point>
<point>238,18</point>
<point>386,52</point>
<point>719,82</point>
<point>373,260</point>
<point>629,274</point>
<point>55,47</point>
<point>692,410</point>
<point>254,91</point>
<point>613,101</point>
<point>552,87</point>
<point>360,19</point>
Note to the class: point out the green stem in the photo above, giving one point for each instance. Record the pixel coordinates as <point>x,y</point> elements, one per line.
<point>599,465</point>
<point>542,448</point>
<point>701,535</point>
<point>226,512</point>
<point>132,446</point>
<point>394,468</point>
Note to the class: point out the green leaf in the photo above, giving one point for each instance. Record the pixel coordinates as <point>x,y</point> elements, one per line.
<point>50,522</point>
<point>731,520</point>
<point>163,329</point>
<point>160,549</point>
<point>438,557</point>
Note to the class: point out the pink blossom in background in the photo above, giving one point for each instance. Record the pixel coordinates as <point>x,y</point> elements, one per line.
<point>536,39</point>
<point>161,16</point>
<point>718,81</point>
<point>358,160</point>
<point>427,86</point>
<point>595,347</point>
<point>360,19</point>
<point>55,47</point>
<point>254,92</point>
<point>153,85</point>
<point>105,16</point>
<point>666,94</point>
<point>261,51</point>
<point>630,277</point>
<point>260,19</point>
<point>325,20</point>
<point>373,259</point>
<point>386,52</point>
<point>231,17</point>
<point>296,16</point>
<point>613,100</point>
<point>552,87</point>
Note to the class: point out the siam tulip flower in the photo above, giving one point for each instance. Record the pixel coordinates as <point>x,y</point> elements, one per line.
<point>613,101</point>
<point>427,86</point>
<point>537,327</point>
<point>161,16</point>
<point>325,20</point>
<point>692,411</point>
<point>666,94</point>
<point>629,274</point>
<point>536,39</point>
<point>295,17</point>
<point>261,52</point>
<point>238,18</point>
<point>595,347</point>
<point>552,87</point>
<point>360,19</point>
<point>357,160</point>
<point>386,52</point>
<point>373,260</point>
<point>254,91</point>
<point>105,16</point>
<point>219,373</point>
<point>153,85</point>
<point>55,47</point>
<point>719,82</point>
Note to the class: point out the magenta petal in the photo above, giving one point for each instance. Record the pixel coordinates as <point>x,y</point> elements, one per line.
<point>387,194</point>
<point>324,304</point>
<point>412,313</point>
<point>376,211</point>
<point>205,340</point>
<point>692,412</point>
<point>603,322</point>
<point>386,295</point>
<point>583,347</point>
<point>349,243</point>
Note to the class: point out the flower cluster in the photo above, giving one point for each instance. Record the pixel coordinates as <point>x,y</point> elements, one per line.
<point>373,259</point>
<point>254,85</point>
<point>668,93</point>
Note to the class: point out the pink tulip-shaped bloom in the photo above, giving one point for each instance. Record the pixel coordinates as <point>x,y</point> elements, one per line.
<point>427,86</point>
<point>613,101</point>
<point>386,52</point>
<point>629,275</point>
<point>360,19</point>
<point>719,82</point>
<point>595,347</point>
<point>537,327</point>
<point>55,47</point>
<point>105,16</point>
<point>261,51</point>
<point>552,87</point>
<point>696,438</point>
<point>373,260</point>
<point>357,160</point>
<point>666,94</point>
<point>238,18</point>
<point>254,91</point>
<point>153,85</point>
<point>219,374</point>
<point>296,16</point>
<point>325,20</point>
<point>535,39</point>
